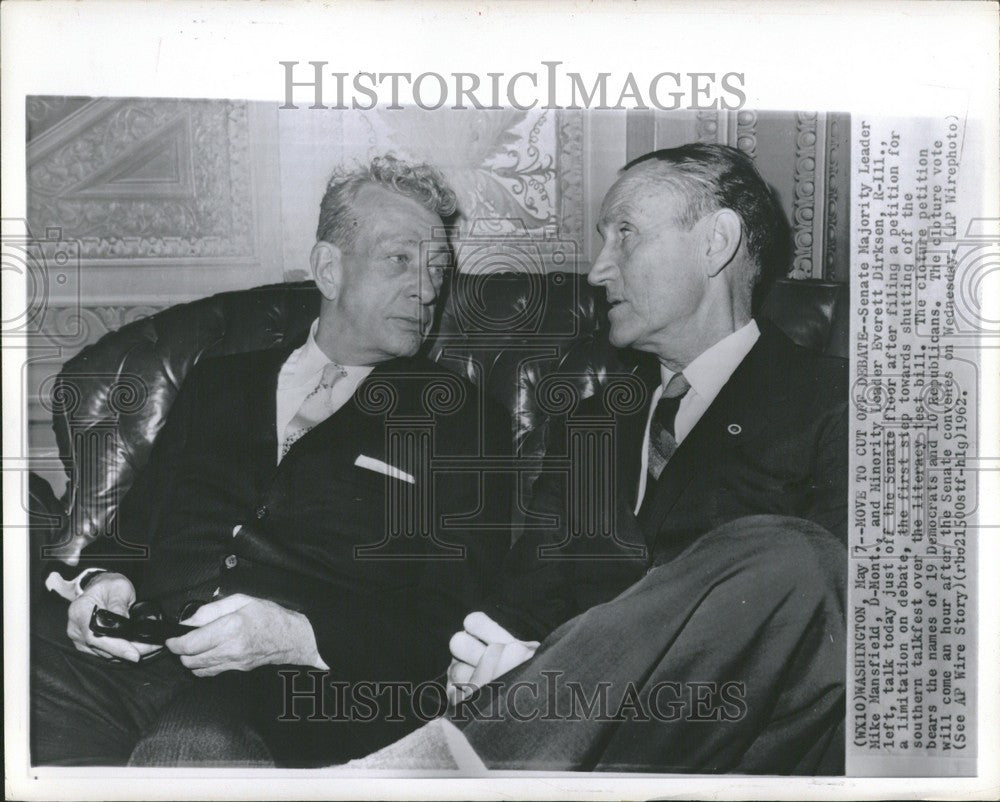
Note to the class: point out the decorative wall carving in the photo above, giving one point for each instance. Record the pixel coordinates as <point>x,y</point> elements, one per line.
<point>570,173</point>
<point>837,259</point>
<point>707,126</point>
<point>44,112</point>
<point>804,214</point>
<point>516,173</point>
<point>746,132</point>
<point>144,178</point>
<point>501,163</point>
<point>737,129</point>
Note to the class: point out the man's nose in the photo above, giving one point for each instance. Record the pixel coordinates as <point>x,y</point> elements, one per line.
<point>603,268</point>
<point>428,286</point>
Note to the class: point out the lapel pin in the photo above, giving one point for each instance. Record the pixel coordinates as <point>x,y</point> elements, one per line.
<point>734,429</point>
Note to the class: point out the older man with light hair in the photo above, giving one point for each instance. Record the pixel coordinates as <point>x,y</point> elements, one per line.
<point>267,500</point>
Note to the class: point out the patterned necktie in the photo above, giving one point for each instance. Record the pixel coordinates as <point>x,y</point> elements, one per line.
<point>662,441</point>
<point>317,407</point>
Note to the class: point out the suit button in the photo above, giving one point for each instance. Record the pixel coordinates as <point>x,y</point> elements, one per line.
<point>230,561</point>
<point>262,512</point>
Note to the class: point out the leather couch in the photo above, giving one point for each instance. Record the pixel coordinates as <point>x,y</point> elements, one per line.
<point>507,332</point>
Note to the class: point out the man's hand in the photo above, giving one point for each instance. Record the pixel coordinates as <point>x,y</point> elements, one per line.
<point>113,592</point>
<point>240,633</point>
<point>483,651</point>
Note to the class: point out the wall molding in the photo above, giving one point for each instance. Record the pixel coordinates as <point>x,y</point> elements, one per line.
<point>738,129</point>
<point>707,127</point>
<point>808,220</point>
<point>744,137</point>
<point>837,263</point>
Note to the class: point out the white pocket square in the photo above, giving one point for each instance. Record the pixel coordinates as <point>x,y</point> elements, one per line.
<point>381,467</point>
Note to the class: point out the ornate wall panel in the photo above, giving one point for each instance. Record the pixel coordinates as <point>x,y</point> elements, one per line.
<point>147,179</point>
<point>517,174</point>
<point>836,203</point>
<point>162,200</point>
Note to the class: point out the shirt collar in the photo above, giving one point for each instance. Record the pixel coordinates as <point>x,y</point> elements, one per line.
<point>710,370</point>
<point>308,360</point>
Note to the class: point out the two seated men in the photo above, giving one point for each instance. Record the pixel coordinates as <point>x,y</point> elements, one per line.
<point>709,638</point>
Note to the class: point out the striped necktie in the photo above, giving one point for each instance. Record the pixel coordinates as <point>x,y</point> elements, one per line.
<point>662,440</point>
<point>316,408</point>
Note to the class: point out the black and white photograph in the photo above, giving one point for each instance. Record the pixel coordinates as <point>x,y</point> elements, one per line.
<point>402,431</point>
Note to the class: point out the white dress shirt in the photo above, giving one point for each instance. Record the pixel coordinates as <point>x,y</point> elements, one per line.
<point>707,374</point>
<point>300,375</point>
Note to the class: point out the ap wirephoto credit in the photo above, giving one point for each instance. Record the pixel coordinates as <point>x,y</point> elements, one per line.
<point>519,423</point>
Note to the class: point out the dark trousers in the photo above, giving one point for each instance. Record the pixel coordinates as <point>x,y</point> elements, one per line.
<point>729,658</point>
<point>86,710</point>
<point>89,711</point>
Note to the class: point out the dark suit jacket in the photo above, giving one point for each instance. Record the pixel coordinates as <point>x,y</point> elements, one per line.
<point>773,441</point>
<point>313,529</point>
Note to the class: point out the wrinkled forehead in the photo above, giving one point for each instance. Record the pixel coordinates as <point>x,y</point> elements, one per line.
<point>644,190</point>
<point>382,213</point>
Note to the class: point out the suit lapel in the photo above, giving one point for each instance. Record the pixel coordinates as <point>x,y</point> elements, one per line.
<point>262,412</point>
<point>629,431</point>
<point>758,383</point>
<point>628,459</point>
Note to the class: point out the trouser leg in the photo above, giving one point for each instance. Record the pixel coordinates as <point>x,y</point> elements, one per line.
<point>205,725</point>
<point>731,657</point>
<point>347,722</point>
<point>86,710</point>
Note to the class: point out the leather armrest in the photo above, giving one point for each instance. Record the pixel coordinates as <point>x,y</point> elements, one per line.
<point>46,513</point>
<point>47,521</point>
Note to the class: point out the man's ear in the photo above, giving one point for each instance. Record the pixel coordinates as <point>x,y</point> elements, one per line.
<point>327,263</point>
<point>724,231</point>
